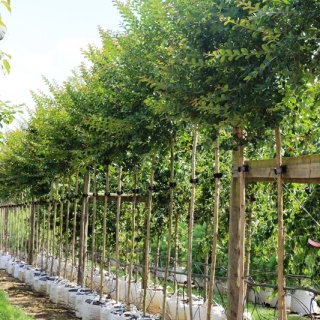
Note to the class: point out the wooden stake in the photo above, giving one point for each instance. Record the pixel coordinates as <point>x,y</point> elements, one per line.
<point>166,273</point>
<point>215,227</point>
<point>191,216</point>
<point>281,279</point>
<point>146,271</point>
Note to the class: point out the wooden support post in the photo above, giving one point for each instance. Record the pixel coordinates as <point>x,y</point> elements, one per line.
<point>235,295</point>
<point>281,279</point>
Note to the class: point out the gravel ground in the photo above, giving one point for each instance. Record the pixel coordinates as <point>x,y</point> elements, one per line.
<point>20,295</point>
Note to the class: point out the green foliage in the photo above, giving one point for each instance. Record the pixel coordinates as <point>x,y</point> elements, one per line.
<point>9,312</point>
<point>220,64</point>
<point>4,63</point>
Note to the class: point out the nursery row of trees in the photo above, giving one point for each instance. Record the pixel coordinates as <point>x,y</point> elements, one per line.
<point>154,107</point>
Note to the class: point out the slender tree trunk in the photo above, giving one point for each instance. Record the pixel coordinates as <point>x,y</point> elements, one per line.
<point>206,264</point>
<point>176,249</point>
<point>93,234</point>
<point>281,278</point>
<point>31,234</point>
<point>248,242</point>
<point>137,247</point>
<point>147,239</point>
<point>133,229</point>
<point>157,260</point>
<point>61,227</point>
<point>53,238</point>
<point>67,227</point>
<point>117,234</point>
<point>172,186</point>
<point>105,207</point>
<point>49,227</point>
<point>74,231</point>
<point>83,229</point>
<point>191,216</point>
<point>36,229</point>
<point>235,295</point>
<point>43,238</point>
<point>5,232</point>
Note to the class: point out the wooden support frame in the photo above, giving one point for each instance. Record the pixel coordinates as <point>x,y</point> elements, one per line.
<point>302,169</point>
<point>113,197</point>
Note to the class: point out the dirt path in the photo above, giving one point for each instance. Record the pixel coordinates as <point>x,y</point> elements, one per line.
<point>20,295</point>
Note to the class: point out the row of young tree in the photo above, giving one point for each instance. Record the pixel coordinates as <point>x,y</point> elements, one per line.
<point>156,103</point>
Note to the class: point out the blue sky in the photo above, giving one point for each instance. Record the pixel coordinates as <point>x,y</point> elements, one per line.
<point>44,39</point>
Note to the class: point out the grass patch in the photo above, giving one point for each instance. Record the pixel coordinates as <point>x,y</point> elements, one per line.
<point>260,312</point>
<point>8,312</point>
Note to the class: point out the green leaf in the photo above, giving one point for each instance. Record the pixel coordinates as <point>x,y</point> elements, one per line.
<point>244,50</point>
<point>6,64</point>
<point>7,5</point>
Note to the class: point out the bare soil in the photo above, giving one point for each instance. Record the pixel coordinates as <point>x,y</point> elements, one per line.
<point>21,295</point>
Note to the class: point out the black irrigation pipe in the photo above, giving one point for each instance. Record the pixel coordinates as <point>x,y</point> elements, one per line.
<point>266,285</point>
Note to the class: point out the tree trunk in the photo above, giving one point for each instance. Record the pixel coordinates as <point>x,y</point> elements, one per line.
<point>93,234</point>
<point>147,239</point>
<point>157,261</point>
<point>281,278</point>
<point>117,234</point>
<point>61,226</point>
<point>176,249</point>
<point>53,238</point>
<point>191,216</point>
<point>104,223</point>
<point>172,186</point>
<point>215,228</point>
<point>83,229</point>
<point>5,232</point>
<point>248,243</point>
<point>31,234</point>
<point>74,231</point>
<point>67,227</point>
<point>133,228</point>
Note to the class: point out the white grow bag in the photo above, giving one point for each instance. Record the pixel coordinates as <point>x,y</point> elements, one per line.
<point>80,300</point>
<point>91,309</point>
<point>154,300</point>
<point>112,311</point>
<point>72,293</point>
<point>62,297</point>
<point>303,302</point>
<point>3,261</point>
